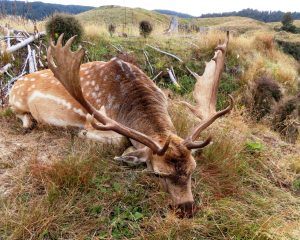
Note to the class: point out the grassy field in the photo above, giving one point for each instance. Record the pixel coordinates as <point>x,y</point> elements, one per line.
<point>54,186</point>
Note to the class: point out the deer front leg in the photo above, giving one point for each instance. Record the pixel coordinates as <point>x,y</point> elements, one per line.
<point>134,157</point>
<point>105,137</point>
<point>27,120</point>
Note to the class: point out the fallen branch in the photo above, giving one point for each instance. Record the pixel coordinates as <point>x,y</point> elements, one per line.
<point>24,43</point>
<point>166,53</point>
<point>5,68</point>
<point>172,77</point>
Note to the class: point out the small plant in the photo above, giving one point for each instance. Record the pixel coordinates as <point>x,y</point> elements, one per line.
<point>145,28</point>
<point>64,24</point>
<point>254,146</point>
<point>6,113</point>
<point>111,29</point>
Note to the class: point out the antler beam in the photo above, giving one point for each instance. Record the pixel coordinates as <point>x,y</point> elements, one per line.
<point>205,93</point>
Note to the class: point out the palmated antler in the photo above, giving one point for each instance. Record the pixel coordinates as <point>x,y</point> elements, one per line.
<point>65,65</point>
<point>205,94</point>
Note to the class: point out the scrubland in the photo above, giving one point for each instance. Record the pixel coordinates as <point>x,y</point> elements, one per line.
<point>247,183</point>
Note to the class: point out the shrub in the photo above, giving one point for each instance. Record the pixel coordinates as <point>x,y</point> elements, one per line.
<point>287,24</point>
<point>265,94</point>
<point>145,28</point>
<point>111,29</point>
<point>292,48</point>
<point>285,119</point>
<point>64,23</point>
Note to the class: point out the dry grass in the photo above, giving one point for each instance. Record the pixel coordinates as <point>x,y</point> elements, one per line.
<point>245,190</point>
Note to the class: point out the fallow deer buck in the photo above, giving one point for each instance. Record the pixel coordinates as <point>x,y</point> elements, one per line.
<point>109,100</point>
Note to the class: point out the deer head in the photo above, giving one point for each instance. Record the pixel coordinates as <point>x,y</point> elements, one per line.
<point>167,155</point>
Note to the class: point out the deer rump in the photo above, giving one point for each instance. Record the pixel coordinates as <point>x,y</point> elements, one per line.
<point>118,98</point>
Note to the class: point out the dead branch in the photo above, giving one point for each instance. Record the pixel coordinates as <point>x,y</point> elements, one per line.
<point>5,68</point>
<point>148,61</point>
<point>166,53</point>
<point>24,43</point>
<point>153,79</point>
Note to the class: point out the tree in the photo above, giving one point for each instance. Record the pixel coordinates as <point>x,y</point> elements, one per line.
<point>287,23</point>
<point>145,28</point>
<point>287,19</point>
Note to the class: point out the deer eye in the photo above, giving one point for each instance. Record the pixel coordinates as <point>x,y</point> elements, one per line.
<point>173,160</point>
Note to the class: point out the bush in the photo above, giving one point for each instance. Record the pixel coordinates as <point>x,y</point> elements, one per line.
<point>64,23</point>
<point>287,24</point>
<point>286,117</point>
<point>292,48</point>
<point>111,29</point>
<point>145,28</point>
<point>266,93</point>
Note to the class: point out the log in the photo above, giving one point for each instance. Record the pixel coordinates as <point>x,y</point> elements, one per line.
<point>24,43</point>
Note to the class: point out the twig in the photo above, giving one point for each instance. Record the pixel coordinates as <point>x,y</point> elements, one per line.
<point>147,59</point>
<point>5,68</point>
<point>90,43</point>
<point>173,72</point>
<point>172,77</point>
<point>115,47</point>
<point>167,53</point>
<point>153,79</point>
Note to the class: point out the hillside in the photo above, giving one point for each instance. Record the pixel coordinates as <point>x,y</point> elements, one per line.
<point>37,10</point>
<point>173,13</point>
<point>132,16</point>
<point>121,15</point>
<point>264,16</point>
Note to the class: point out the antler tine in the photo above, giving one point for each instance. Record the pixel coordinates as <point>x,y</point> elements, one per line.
<point>59,41</point>
<point>198,145</point>
<point>66,70</point>
<point>69,43</point>
<point>207,122</point>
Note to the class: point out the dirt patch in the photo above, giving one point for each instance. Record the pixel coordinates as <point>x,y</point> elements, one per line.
<point>18,148</point>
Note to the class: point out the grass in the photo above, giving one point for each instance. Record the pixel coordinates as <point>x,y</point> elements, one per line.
<point>86,195</point>
<point>246,182</point>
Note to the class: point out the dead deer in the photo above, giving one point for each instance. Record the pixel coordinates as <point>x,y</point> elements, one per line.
<point>109,100</point>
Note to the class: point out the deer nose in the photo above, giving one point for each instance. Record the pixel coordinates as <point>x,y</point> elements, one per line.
<point>187,209</point>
